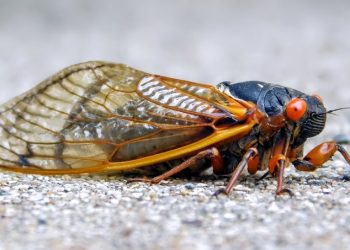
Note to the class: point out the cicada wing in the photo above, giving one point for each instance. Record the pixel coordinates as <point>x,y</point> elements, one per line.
<point>94,114</point>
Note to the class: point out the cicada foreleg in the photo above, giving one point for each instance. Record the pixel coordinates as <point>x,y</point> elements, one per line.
<point>277,166</point>
<point>279,161</point>
<point>319,155</point>
<point>213,154</point>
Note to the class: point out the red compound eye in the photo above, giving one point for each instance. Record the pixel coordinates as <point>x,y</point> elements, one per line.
<point>296,109</point>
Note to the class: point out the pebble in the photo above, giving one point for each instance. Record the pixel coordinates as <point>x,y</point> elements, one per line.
<point>189,186</point>
<point>184,192</point>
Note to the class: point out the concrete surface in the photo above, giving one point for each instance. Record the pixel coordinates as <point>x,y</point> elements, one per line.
<point>303,44</point>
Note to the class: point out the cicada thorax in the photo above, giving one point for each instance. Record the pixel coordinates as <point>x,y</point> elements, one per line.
<point>290,117</point>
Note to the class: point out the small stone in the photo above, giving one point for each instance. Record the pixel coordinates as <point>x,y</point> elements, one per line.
<point>137,195</point>
<point>184,191</point>
<point>189,186</point>
<point>152,195</point>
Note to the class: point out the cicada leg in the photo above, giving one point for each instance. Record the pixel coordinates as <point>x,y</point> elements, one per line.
<point>213,154</point>
<point>279,161</point>
<point>280,176</point>
<point>277,166</point>
<point>319,155</point>
<point>250,153</point>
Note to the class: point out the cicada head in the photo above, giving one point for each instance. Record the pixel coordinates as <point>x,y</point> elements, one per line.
<point>311,122</point>
<point>304,115</point>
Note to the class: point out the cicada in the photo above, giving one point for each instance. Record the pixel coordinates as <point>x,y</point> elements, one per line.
<point>99,117</point>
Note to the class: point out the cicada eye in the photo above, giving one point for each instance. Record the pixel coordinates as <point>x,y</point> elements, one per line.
<point>296,109</point>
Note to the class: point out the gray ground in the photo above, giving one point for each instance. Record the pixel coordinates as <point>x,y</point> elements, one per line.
<point>303,44</point>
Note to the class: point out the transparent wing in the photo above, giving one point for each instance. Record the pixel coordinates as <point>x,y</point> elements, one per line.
<point>95,113</point>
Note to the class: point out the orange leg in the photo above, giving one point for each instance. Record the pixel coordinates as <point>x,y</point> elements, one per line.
<point>277,165</point>
<point>319,155</point>
<point>251,152</point>
<point>278,162</point>
<point>213,154</point>
<point>253,164</point>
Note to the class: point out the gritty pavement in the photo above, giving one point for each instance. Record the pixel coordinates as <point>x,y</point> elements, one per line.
<point>302,44</point>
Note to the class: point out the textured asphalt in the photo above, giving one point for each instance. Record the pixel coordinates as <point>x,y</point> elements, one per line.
<point>301,44</point>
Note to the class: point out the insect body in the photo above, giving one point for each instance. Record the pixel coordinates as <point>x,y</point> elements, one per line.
<point>104,117</point>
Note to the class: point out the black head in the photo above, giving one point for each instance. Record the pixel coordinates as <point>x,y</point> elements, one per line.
<point>306,114</point>
<point>313,121</point>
